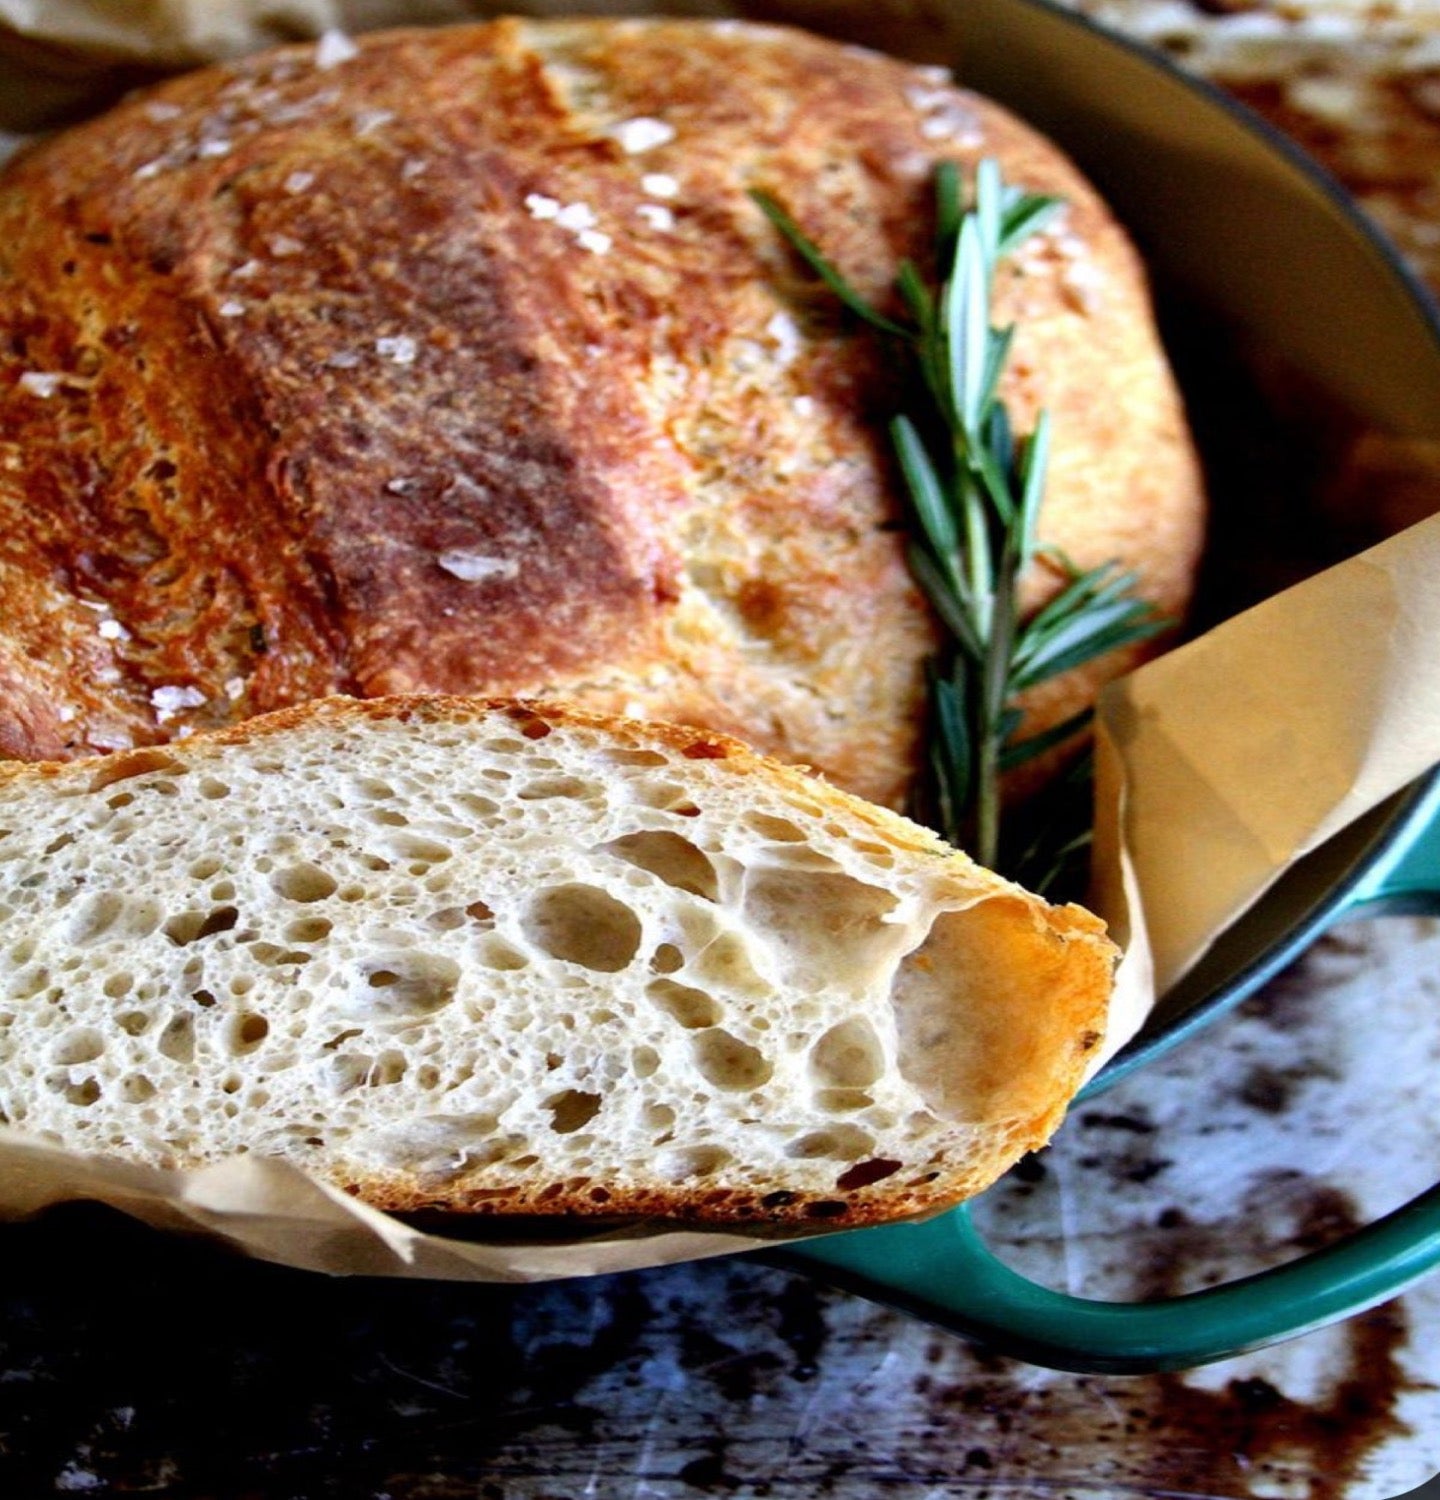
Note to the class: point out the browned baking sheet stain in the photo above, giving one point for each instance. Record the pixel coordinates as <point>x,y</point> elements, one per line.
<point>1325,1443</point>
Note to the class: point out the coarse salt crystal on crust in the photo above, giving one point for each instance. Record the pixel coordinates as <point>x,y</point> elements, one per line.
<point>643,133</point>
<point>657,216</point>
<point>108,739</point>
<point>784,333</point>
<point>334,48</point>
<point>369,120</point>
<point>576,216</point>
<point>171,700</point>
<point>475,567</point>
<point>402,349</point>
<point>43,383</point>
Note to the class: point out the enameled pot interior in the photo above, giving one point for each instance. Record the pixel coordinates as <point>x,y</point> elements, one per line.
<point>1294,328</point>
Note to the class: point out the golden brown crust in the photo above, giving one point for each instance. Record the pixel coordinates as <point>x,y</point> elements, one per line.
<point>319,379</point>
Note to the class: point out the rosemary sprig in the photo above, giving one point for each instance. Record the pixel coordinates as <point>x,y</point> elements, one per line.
<point>975,489</point>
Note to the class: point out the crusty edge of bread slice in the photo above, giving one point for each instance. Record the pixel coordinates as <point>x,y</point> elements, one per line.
<point>1054,965</point>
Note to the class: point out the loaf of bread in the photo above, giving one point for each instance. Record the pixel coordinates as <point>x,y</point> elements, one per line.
<point>460,360</point>
<point>514,958</point>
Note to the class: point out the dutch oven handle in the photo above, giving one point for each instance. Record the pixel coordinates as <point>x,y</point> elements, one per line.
<point>943,1271</point>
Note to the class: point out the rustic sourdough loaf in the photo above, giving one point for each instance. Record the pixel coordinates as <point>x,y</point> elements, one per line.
<point>508,957</point>
<point>460,360</point>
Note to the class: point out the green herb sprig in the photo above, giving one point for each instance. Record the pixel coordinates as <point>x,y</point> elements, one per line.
<point>975,488</point>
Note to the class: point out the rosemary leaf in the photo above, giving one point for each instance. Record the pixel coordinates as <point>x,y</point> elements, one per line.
<point>927,493</point>
<point>976,490</point>
<point>918,297</point>
<point>827,273</point>
<point>966,308</point>
<point>1018,751</point>
<point>989,213</point>
<point>996,357</point>
<point>949,207</point>
<point>951,602</point>
<point>1029,214</point>
<point>1098,643</point>
<point>1032,485</point>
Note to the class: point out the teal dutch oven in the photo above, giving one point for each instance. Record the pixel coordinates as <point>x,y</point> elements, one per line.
<point>1265,245</point>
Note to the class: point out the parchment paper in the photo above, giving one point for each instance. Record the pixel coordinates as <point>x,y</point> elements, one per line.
<point>1219,765</point>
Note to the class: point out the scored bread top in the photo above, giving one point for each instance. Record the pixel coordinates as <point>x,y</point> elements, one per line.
<point>515,958</point>
<point>465,363</point>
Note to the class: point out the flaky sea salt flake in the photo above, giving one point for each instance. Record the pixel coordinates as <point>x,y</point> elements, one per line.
<point>660,185</point>
<point>576,216</point>
<point>785,335</point>
<point>42,383</point>
<point>657,216</point>
<point>232,309</point>
<point>172,699</point>
<point>643,133</point>
<point>927,99</point>
<point>401,349</point>
<point>475,567</point>
<point>108,739</point>
<point>596,241</point>
<point>334,48</point>
<point>370,120</point>
<point>951,125</point>
<point>540,207</point>
<point>298,182</point>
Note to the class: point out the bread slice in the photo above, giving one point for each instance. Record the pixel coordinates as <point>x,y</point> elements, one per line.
<point>467,364</point>
<point>510,958</point>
